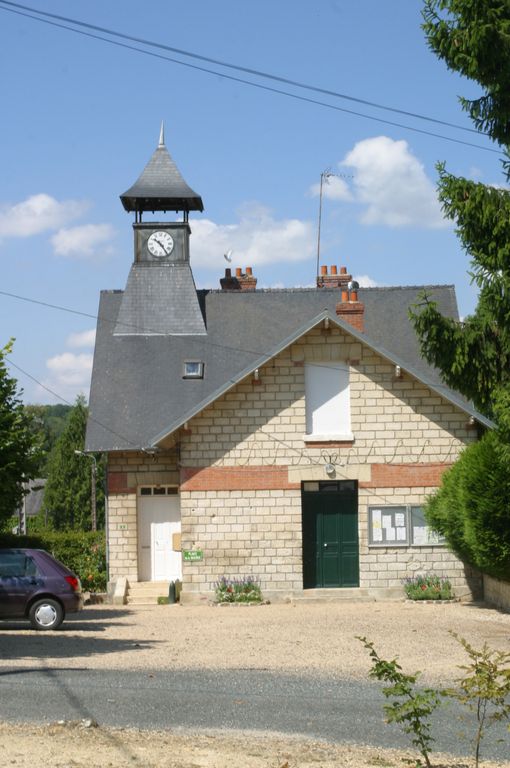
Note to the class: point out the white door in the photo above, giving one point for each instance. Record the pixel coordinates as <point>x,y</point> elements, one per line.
<point>159,517</point>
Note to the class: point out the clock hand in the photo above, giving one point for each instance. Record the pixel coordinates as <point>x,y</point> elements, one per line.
<point>160,245</point>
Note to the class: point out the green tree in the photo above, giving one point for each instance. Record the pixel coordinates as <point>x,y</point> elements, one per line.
<point>19,447</point>
<point>473,38</point>
<point>472,507</point>
<point>47,421</point>
<point>67,493</point>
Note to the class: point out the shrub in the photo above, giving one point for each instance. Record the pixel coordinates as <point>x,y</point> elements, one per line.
<point>484,689</point>
<point>84,552</point>
<point>410,707</point>
<point>243,590</point>
<point>471,509</point>
<point>428,587</point>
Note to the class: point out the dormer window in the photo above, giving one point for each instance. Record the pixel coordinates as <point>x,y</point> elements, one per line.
<point>193,369</point>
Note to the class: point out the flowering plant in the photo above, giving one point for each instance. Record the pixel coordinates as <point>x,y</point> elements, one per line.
<point>428,587</point>
<point>242,590</point>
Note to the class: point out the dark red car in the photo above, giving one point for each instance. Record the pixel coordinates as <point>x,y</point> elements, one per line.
<point>35,586</point>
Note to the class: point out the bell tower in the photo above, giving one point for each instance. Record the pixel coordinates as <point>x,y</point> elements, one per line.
<point>160,296</point>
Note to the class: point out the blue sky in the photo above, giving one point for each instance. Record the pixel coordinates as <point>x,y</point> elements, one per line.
<point>81,118</point>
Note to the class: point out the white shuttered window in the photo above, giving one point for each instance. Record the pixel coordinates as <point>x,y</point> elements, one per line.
<point>328,404</point>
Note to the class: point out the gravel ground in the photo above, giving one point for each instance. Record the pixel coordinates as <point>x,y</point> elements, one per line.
<point>311,639</point>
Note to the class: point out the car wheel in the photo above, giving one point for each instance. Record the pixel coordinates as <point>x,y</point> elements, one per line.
<point>46,614</point>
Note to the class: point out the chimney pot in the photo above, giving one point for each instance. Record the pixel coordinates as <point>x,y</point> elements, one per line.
<point>333,269</point>
<point>324,270</point>
<point>343,270</point>
<point>249,271</point>
<point>228,272</point>
<point>345,296</point>
<point>239,271</point>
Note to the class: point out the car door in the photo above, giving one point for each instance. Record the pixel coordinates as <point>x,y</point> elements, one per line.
<point>18,580</point>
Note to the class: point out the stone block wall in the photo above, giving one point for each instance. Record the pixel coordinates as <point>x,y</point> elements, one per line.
<point>127,471</point>
<point>387,567</point>
<point>245,456</point>
<point>255,532</point>
<point>393,420</point>
<point>496,592</point>
<point>242,461</point>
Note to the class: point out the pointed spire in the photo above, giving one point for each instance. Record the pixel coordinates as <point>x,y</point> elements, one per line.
<point>160,186</point>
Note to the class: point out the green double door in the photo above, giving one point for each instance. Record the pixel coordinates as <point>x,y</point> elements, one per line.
<point>330,534</point>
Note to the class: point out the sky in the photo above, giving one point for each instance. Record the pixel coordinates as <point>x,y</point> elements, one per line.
<point>81,118</point>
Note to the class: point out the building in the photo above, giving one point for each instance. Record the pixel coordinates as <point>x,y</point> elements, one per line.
<point>291,435</point>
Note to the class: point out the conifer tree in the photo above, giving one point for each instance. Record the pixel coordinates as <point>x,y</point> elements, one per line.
<point>473,356</point>
<point>472,506</point>
<point>67,492</point>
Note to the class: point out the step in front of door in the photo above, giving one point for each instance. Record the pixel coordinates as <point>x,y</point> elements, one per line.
<point>334,595</point>
<point>146,592</point>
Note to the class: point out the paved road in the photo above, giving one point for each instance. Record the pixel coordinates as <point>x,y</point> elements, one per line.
<point>333,711</point>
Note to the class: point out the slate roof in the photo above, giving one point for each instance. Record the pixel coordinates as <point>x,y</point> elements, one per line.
<point>154,304</point>
<point>138,394</point>
<point>160,187</point>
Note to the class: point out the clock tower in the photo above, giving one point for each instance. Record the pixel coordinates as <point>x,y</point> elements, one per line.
<point>160,296</point>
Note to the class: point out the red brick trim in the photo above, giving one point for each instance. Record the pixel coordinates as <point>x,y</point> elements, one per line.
<point>405,475</point>
<point>255,478</point>
<point>118,483</point>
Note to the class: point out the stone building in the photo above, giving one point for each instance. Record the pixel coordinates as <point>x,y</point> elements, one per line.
<point>291,435</point>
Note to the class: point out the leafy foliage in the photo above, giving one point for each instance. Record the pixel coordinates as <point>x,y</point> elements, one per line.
<point>411,707</point>
<point>428,587</point>
<point>68,489</point>
<point>47,423</point>
<point>82,552</point>
<point>485,688</point>
<point>473,38</point>
<point>472,507</point>
<point>19,447</point>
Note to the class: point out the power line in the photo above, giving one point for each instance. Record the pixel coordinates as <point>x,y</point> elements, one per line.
<point>260,86</point>
<point>64,400</point>
<point>301,453</point>
<point>133,326</point>
<point>239,68</point>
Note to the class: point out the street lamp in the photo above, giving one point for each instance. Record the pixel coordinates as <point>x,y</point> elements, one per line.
<point>93,475</point>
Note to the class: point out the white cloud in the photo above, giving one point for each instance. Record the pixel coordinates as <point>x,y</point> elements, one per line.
<point>256,239</point>
<point>333,188</point>
<point>37,214</point>
<point>83,339</point>
<point>69,375</point>
<point>365,281</point>
<point>392,185</point>
<point>85,240</point>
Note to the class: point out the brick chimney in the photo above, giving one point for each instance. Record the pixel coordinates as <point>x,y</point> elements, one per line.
<point>242,281</point>
<point>335,278</point>
<point>349,308</point>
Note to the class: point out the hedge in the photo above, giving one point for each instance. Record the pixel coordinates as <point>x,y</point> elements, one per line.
<point>84,552</point>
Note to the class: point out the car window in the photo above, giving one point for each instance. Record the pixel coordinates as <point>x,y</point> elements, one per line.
<point>16,564</point>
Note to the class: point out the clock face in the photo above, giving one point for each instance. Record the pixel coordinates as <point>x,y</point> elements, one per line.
<point>160,244</point>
